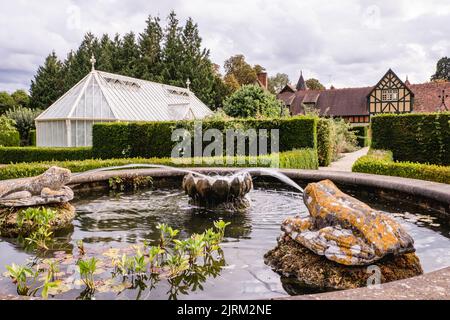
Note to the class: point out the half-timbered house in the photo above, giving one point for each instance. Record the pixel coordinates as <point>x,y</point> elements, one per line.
<point>357,105</point>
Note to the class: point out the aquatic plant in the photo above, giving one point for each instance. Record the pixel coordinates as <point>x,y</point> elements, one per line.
<point>87,269</point>
<point>36,223</point>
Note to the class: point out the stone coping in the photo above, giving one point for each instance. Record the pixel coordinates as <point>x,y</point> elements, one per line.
<point>436,191</point>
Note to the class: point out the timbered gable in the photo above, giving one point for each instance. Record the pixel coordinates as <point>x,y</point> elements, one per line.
<point>390,95</point>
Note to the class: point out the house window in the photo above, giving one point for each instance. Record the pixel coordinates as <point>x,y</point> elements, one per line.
<point>389,95</point>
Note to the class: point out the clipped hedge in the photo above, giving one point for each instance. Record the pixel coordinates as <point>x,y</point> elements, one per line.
<point>9,138</point>
<point>39,154</point>
<point>325,141</point>
<point>415,137</point>
<point>154,139</point>
<point>381,162</point>
<point>362,135</point>
<point>295,159</point>
<point>32,136</point>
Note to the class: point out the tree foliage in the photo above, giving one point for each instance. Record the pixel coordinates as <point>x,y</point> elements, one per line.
<point>24,121</point>
<point>442,70</point>
<point>169,54</point>
<point>314,84</point>
<point>243,72</point>
<point>252,101</point>
<point>278,82</point>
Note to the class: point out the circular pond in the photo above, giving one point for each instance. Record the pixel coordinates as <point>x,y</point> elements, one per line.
<point>121,220</point>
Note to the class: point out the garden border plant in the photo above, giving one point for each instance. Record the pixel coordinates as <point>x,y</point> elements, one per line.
<point>381,162</point>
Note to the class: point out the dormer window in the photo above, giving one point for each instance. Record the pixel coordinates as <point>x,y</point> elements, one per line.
<point>389,95</point>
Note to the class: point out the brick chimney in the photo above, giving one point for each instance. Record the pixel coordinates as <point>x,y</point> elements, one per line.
<point>262,77</point>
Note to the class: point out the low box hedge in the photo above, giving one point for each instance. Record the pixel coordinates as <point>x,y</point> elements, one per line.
<point>295,159</point>
<point>381,162</point>
<point>154,139</point>
<point>415,137</point>
<point>39,154</point>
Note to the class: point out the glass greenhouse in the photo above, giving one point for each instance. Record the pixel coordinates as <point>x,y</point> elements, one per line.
<point>106,97</point>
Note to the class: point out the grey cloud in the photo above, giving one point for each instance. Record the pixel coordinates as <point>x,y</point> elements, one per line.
<point>349,43</point>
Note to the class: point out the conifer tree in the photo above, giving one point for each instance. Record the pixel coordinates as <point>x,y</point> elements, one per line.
<point>48,83</point>
<point>149,43</point>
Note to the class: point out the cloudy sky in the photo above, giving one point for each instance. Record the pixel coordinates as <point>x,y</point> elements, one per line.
<point>342,42</point>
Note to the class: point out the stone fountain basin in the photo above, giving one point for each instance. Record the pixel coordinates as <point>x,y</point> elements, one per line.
<point>425,194</point>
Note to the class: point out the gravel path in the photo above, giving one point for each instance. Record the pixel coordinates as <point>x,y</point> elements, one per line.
<point>346,162</point>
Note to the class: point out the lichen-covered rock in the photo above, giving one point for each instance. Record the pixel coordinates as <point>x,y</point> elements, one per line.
<point>344,229</point>
<point>65,213</point>
<point>316,272</point>
<point>214,190</point>
<point>49,187</point>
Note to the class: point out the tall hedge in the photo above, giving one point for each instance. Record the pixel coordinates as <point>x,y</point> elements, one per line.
<point>416,137</point>
<point>37,154</point>
<point>362,135</point>
<point>325,141</point>
<point>154,139</point>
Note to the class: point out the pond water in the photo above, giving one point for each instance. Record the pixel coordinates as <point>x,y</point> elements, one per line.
<point>121,219</point>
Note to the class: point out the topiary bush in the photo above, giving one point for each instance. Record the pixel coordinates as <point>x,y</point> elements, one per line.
<point>415,137</point>
<point>38,154</point>
<point>381,162</point>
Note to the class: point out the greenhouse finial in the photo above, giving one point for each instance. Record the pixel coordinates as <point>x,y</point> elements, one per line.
<point>93,61</point>
<point>188,84</point>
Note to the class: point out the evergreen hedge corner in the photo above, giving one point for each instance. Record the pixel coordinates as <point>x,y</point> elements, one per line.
<point>362,135</point>
<point>9,138</point>
<point>111,140</point>
<point>415,137</point>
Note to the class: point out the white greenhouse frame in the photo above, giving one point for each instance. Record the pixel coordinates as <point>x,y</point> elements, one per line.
<point>106,97</point>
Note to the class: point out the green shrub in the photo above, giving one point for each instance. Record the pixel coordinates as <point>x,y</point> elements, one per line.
<point>24,121</point>
<point>362,135</point>
<point>416,137</point>
<point>38,154</point>
<point>252,101</point>
<point>295,159</point>
<point>32,136</point>
<point>326,141</point>
<point>381,162</point>
<point>9,138</point>
<point>154,139</point>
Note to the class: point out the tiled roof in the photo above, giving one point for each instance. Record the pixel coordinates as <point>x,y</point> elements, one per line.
<point>426,96</point>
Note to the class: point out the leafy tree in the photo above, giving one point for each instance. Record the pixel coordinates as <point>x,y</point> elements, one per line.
<point>258,69</point>
<point>48,83</point>
<point>23,121</point>
<point>314,84</point>
<point>252,101</point>
<point>442,70</point>
<point>6,102</point>
<point>240,69</point>
<point>277,82</point>
<point>150,50</point>
<point>21,98</point>
<point>231,83</point>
